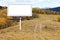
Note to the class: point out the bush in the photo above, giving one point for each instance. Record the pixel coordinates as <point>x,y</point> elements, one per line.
<point>4,22</point>
<point>58,18</point>
<point>28,18</point>
<point>35,15</point>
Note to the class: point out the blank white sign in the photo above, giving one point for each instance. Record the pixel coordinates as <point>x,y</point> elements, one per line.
<point>19,10</point>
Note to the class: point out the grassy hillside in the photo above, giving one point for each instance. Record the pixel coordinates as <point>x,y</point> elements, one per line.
<point>4,20</point>
<point>43,27</point>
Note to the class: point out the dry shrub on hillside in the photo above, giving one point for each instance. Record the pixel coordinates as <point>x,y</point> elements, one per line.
<point>34,15</point>
<point>43,11</point>
<point>58,18</point>
<point>4,20</point>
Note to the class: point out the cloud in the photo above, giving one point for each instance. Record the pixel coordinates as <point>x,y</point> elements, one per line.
<point>6,2</point>
<point>35,3</point>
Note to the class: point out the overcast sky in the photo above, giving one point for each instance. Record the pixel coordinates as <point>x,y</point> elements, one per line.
<point>35,3</point>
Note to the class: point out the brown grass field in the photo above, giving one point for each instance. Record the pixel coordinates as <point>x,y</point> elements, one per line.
<point>46,27</point>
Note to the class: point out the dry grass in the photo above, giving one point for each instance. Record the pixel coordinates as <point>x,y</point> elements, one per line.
<point>46,27</point>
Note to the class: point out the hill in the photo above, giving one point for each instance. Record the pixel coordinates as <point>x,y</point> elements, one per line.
<point>43,25</point>
<point>43,28</point>
<point>44,11</point>
<point>57,9</point>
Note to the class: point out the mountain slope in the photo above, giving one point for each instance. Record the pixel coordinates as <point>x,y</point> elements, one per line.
<point>42,28</point>
<point>57,9</point>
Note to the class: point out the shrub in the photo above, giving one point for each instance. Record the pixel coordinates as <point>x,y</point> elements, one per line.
<point>28,18</point>
<point>58,18</point>
<point>35,15</point>
<point>1,7</point>
<point>4,22</point>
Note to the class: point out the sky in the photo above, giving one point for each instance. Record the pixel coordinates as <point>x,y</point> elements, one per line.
<point>35,3</point>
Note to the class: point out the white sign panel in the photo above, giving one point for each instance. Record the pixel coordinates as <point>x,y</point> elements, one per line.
<point>20,10</point>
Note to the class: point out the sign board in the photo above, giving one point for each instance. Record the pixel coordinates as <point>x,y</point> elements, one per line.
<point>20,10</point>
